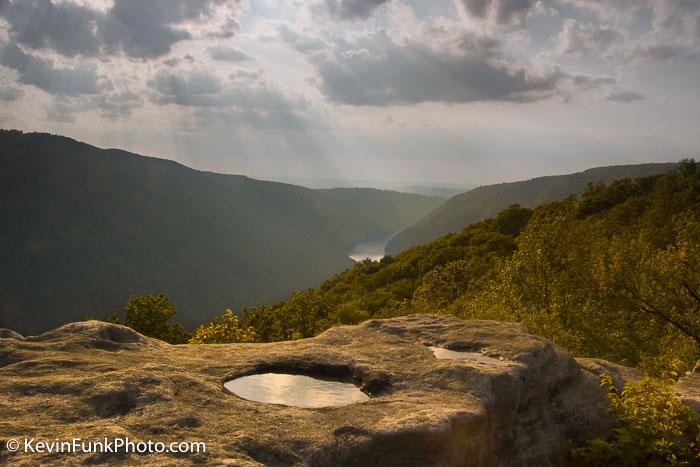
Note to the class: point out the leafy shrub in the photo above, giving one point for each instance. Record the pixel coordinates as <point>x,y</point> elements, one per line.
<point>223,329</point>
<point>655,428</point>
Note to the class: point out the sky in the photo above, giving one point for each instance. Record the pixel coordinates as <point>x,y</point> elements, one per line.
<point>455,91</point>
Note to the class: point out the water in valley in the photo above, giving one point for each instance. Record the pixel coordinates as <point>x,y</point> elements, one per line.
<point>373,250</point>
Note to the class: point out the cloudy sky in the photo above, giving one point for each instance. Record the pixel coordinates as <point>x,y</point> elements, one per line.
<point>463,91</point>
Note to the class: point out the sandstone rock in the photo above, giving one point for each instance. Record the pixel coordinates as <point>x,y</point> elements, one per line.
<point>519,407</point>
<point>97,330</point>
<point>620,374</point>
<point>9,334</point>
<point>688,389</point>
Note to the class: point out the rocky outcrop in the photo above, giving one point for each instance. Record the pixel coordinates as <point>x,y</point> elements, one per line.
<point>520,406</point>
<point>620,374</point>
<point>688,389</point>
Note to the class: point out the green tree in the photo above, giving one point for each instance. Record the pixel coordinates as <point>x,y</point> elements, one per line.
<point>513,219</point>
<point>150,315</point>
<point>663,284</point>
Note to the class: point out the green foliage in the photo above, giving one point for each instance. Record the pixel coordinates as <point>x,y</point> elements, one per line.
<point>654,429</point>
<point>512,220</point>
<point>487,201</point>
<point>614,274</point>
<point>150,315</point>
<point>224,329</point>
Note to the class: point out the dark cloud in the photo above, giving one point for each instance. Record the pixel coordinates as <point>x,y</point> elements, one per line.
<point>62,111</point>
<point>118,105</point>
<point>577,38</point>
<point>111,106</point>
<point>184,89</point>
<point>625,97</point>
<point>502,12</point>
<point>140,29</point>
<point>677,17</point>
<point>578,84</point>
<point>227,54</point>
<point>353,9</point>
<point>245,102</point>
<point>588,82</point>
<point>42,73</point>
<point>67,28</point>
<point>477,8</point>
<point>612,6</point>
<point>376,71</point>
<point>226,31</point>
<point>146,29</point>
<point>299,42</point>
<point>163,11</point>
<point>247,75</point>
<point>674,27</point>
<point>172,62</point>
<point>281,118</point>
<point>138,33</point>
<point>10,93</point>
<point>651,53</point>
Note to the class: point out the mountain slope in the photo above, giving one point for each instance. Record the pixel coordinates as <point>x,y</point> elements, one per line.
<point>83,228</point>
<point>386,208</point>
<point>486,201</point>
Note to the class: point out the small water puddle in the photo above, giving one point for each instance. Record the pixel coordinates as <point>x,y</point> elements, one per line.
<point>443,353</point>
<point>295,390</point>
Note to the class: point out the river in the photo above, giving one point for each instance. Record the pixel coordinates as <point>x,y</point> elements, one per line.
<point>373,250</point>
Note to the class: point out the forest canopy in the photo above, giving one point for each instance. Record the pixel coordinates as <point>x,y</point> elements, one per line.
<point>613,274</point>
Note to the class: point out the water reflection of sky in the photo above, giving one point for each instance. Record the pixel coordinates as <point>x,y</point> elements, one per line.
<point>295,390</point>
<point>440,352</point>
<point>372,250</point>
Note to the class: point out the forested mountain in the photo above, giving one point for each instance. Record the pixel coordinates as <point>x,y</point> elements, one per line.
<point>83,228</point>
<point>486,201</point>
<point>614,274</point>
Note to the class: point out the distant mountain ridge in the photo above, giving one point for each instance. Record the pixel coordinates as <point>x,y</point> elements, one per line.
<point>486,201</point>
<point>387,208</point>
<point>83,228</point>
<point>443,190</point>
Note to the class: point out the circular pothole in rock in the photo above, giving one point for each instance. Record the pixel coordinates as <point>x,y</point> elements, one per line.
<point>295,390</point>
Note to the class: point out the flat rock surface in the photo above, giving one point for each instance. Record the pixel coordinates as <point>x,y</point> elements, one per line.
<point>517,402</point>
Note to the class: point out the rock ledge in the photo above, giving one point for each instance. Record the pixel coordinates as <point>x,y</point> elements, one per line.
<point>93,380</point>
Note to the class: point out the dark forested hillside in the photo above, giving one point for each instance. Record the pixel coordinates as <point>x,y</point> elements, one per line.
<point>83,228</point>
<point>486,201</point>
<point>614,274</point>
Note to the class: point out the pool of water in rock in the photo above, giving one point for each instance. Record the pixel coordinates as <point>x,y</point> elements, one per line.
<point>295,390</point>
<point>441,352</point>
